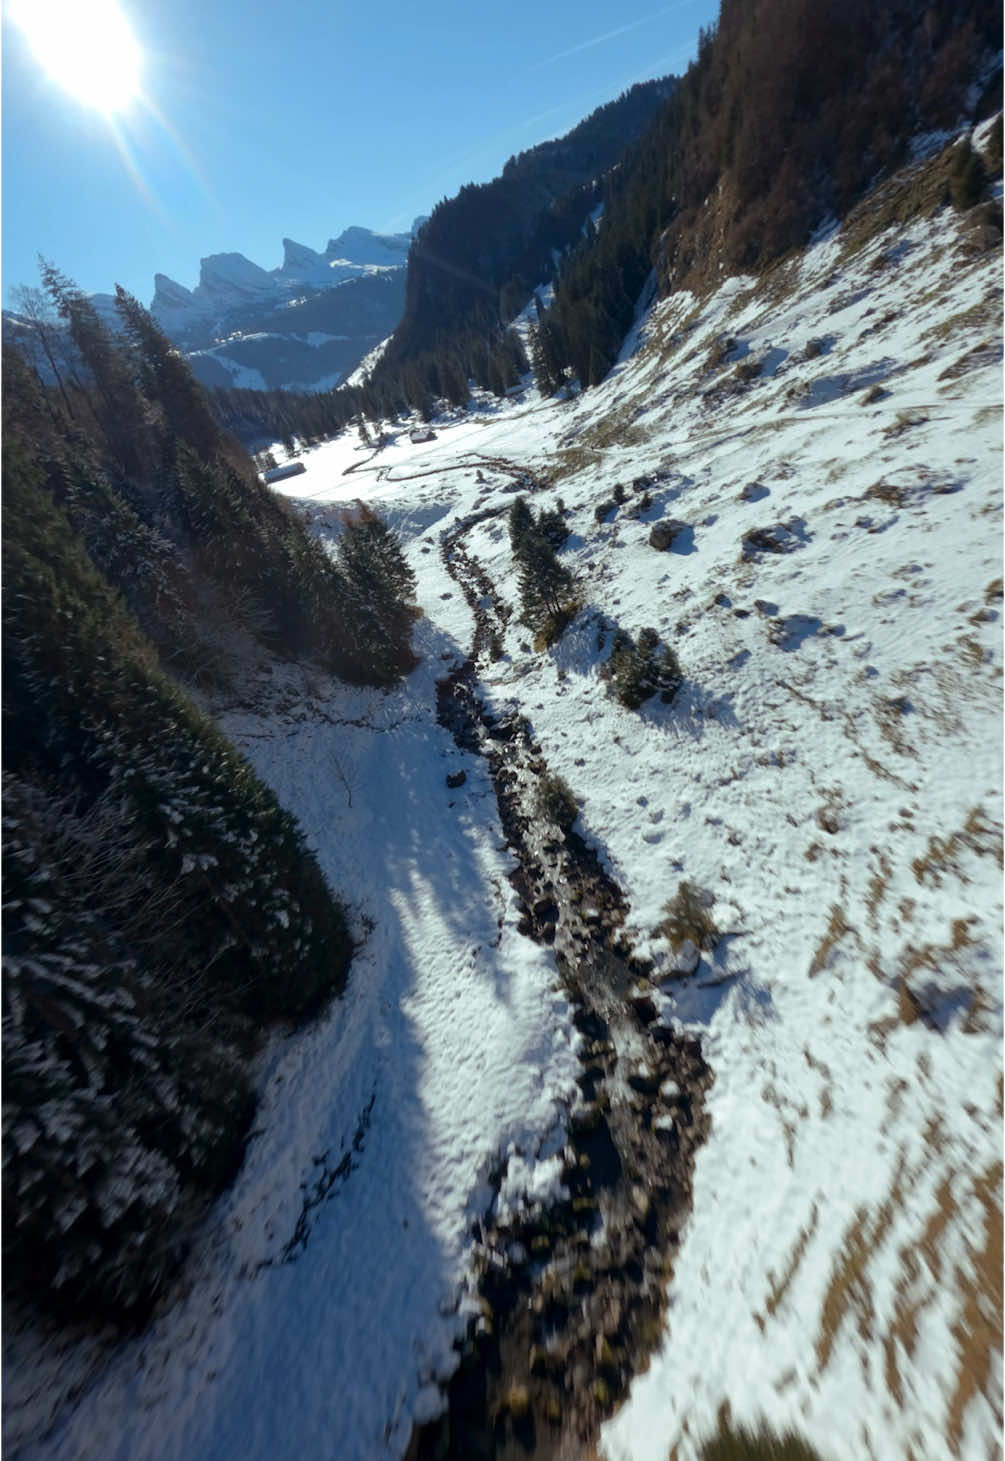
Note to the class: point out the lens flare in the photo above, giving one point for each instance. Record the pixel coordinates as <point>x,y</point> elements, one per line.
<point>86,47</point>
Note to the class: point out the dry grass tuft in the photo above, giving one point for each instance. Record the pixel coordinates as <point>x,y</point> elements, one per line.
<point>904,421</point>
<point>837,929</point>
<point>763,1444</point>
<point>849,1290</point>
<point>878,884</point>
<point>908,1008</point>
<point>978,1333</point>
<point>554,626</point>
<point>938,961</point>
<point>688,917</point>
<point>979,834</point>
<point>918,191</point>
<point>890,715</point>
<point>780,1287</point>
<point>911,1297</point>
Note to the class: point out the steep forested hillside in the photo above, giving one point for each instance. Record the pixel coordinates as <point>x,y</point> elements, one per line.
<point>477,258</point>
<point>760,144</point>
<point>159,905</point>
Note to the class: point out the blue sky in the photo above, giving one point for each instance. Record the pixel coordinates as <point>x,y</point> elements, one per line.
<point>258,120</point>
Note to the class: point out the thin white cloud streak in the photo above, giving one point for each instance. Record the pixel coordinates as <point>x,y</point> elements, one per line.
<point>611,35</point>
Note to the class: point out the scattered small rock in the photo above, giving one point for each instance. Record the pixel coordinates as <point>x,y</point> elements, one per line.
<point>456,779</point>
<point>641,1202</point>
<point>643,1080</point>
<point>642,1002</point>
<point>872,395</point>
<point>754,492</point>
<point>777,538</point>
<point>662,534</point>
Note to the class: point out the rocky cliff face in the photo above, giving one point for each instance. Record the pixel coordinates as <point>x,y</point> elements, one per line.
<point>303,326</point>
<point>231,283</point>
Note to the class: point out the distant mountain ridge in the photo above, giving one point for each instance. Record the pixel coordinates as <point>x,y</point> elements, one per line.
<point>303,326</point>
<point>231,281</point>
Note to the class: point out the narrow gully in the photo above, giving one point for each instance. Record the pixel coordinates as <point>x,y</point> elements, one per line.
<point>572,1297</point>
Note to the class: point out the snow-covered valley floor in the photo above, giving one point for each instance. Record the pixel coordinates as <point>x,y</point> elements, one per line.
<point>830,438</point>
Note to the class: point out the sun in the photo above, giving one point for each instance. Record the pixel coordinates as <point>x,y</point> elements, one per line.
<point>84,46</point>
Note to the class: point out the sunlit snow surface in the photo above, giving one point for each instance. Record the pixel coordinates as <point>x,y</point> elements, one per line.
<point>831,771</point>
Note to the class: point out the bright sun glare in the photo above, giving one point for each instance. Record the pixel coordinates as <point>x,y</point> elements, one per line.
<point>86,47</point>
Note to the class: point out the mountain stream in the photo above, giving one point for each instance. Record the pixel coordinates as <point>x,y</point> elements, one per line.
<point>573,1296</point>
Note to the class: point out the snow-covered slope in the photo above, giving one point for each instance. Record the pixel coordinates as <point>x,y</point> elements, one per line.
<point>832,774</point>
<point>830,438</point>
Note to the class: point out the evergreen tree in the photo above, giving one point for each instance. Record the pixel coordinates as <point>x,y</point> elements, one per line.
<point>120,408</point>
<point>553,526</point>
<point>546,585</point>
<point>158,905</point>
<point>377,593</point>
<point>32,304</point>
<point>520,520</point>
<point>640,670</point>
<point>544,357</point>
<point>166,377</point>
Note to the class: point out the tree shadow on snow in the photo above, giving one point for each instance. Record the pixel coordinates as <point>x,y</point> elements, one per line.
<point>722,974</point>
<point>690,711</point>
<point>352,1206</point>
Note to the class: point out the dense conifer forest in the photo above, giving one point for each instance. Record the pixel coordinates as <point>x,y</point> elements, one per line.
<point>159,906</point>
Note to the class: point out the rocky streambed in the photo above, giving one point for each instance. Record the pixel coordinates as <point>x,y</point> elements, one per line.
<point>571,1296</point>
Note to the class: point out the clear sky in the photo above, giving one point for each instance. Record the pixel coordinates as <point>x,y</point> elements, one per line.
<point>269,118</point>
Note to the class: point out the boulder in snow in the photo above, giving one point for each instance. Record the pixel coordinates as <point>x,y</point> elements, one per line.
<point>662,534</point>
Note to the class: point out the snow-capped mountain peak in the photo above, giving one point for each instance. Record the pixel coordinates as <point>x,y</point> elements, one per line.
<point>230,284</point>
<point>301,261</point>
<point>361,246</point>
<point>228,279</point>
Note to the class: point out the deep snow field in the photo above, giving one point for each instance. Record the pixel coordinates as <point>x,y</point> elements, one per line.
<point>830,771</point>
